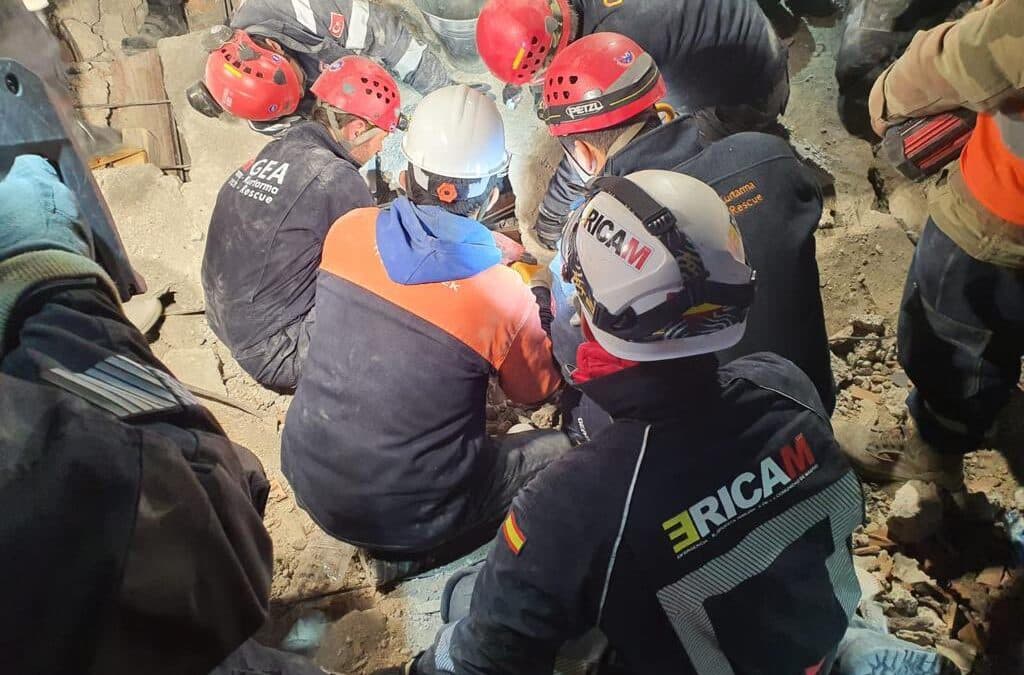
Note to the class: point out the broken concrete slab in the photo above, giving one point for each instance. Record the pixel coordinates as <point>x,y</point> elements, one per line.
<point>196,367</point>
<point>915,513</point>
<point>162,240</point>
<point>216,147</point>
<point>85,43</point>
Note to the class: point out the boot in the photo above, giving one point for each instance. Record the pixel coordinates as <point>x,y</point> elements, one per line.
<point>165,18</point>
<point>384,574</point>
<point>898,455</point>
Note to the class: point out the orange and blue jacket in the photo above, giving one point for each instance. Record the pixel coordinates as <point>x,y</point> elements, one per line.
<point>385,439</point>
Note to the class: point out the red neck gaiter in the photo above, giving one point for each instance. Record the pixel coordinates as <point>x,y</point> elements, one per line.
<point>592,362</point>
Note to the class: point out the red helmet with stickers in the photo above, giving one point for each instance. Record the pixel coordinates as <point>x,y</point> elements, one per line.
<point>358,86</point>
<point>516,38</point>
<point>250,81</point>
<point>597,82</point>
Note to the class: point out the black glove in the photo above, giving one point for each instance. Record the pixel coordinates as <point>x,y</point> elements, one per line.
<point>512,96</point>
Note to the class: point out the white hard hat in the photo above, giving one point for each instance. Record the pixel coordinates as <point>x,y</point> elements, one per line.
<point>659,266</point>
<point>457,132</point>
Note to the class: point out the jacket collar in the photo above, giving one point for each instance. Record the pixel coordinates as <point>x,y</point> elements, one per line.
<point>317,134</point>
<point>657,390</point>
<point>663,147</point>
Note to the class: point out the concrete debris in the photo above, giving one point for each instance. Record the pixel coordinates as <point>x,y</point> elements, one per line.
<point>196,367</point>
<point>916,512</point>
<point>85,44</point>
<point>868,324</point>
<point>902,601</point>
<point>907,570</point>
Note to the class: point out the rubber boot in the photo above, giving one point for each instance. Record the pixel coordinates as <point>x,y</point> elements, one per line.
<point>165,18</point>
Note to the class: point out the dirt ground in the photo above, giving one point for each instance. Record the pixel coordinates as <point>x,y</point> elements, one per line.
<point>938,564</point>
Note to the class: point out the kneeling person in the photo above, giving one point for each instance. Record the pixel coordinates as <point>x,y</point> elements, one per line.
<point>385,442</point>
<point>709,528</point>
<point>271,217</point>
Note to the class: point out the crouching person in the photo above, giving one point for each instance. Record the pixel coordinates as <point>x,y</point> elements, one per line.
<point>709,528</point>
<point>271,217</point>
<point>385,442</point>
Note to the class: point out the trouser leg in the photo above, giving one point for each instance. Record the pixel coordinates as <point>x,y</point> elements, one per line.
<point>277,365</point>
<point>520,457</point>
<point>961,336</point>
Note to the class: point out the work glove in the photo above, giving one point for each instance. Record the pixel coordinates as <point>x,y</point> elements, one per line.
<point>511,250</point>
<point>38,212</point>
<point>534,275</point>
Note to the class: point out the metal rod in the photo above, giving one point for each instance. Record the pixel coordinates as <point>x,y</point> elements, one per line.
<point>114,106</point>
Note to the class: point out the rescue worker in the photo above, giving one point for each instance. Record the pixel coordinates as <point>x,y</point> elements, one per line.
<point>708,530</point>
<point>385,442</point>
<point>113,478</point>
<point>291,43</point>
<point>721,61</point>
<point>961,324</point>
<point>874,34</point>
<point>272,216</point>
<point>774,199</point>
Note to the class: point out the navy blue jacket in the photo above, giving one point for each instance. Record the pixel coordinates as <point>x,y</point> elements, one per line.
<point>708,530</point>
<point>267,232</point>
<point>710,52</point>
<point>777,207</point>
<point>385,441</point>
<point>319,32</point>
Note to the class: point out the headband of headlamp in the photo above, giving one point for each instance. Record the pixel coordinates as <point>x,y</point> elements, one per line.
<point>658,221</point>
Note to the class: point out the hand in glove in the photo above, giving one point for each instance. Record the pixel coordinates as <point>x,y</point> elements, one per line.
<point>39,212</point>
<point>534,275</point>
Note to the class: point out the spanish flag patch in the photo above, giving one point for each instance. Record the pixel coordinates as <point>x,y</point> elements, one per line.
<point>514,537</point>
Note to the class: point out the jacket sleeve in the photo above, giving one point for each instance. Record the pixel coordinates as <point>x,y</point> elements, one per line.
<point>540,586</point>
<point>377,30</point>
<point>976,63</point>
<point>196,556</point>
<point>528,373</point>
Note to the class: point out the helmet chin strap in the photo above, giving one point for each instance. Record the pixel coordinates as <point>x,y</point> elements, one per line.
<point>331,114</point>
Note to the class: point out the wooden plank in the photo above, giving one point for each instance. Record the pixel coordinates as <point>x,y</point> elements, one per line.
<point>139,77</point>
<point>124,157</point>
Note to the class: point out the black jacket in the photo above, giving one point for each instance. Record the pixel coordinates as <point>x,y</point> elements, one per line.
<point>319,32</point>
<point>131,528</point>
<point>706,531</point>
<point>710,52</point>
<point>267,232</point>
<point>777,207</point>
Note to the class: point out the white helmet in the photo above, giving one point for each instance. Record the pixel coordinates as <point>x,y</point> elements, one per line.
<point>659,266</point>
<point>456,132</point>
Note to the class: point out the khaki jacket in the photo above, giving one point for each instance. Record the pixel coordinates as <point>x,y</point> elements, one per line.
<point>975,63</point>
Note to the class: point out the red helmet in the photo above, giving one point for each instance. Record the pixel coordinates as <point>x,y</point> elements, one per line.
<point>597,82</point>
<point>252,82</point>
<point>358,86</point>
<point>515,38</point>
